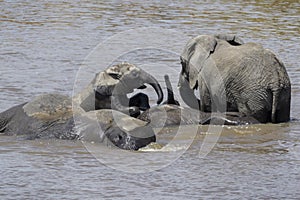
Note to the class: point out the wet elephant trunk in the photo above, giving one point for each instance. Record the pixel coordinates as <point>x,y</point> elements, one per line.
<point>127,85</point>
<point>147,78</point>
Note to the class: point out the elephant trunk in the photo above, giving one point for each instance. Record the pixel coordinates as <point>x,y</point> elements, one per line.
<point>128,84</point>
<point>187,94</point>
<point>147,78</point>
<point>170,99</point>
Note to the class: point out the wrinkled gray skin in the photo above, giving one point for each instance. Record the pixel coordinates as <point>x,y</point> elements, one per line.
<point>252,79</point>
<point>54,115</point>
<point>109,89</point>
<point>172,114</point>
<point>51,116</point>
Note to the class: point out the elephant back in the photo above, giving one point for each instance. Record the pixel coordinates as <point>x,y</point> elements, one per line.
<point>49,107</point>
<point>250,63</point>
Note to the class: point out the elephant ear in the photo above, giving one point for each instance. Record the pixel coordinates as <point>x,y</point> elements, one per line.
<point>196,53</point>
<point>230,38</point>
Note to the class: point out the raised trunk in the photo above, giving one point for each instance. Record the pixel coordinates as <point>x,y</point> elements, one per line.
<point>129,83</point>
<point>170,99</point>
<point>147,78</point>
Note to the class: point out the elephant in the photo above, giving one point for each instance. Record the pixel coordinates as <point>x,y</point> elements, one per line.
<point>51,116</point>
<point>172,114</point>
<point>109,89</point>
<point>244,77</point>
<point>54,115</point>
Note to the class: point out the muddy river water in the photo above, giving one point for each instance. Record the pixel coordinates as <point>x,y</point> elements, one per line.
<point>43,45</point>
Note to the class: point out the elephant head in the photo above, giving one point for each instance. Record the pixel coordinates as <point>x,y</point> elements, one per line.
<point>130,140</point>
<point>193,58</point>
<point>113,128</point>
<point>110,87</point>
<point>126,77</point>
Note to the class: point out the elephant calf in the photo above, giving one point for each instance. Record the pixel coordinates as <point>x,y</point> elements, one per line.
<point>109,89</point>
<point>244,77</point>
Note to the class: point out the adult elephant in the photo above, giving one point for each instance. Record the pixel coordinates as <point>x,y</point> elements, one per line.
<point>252,79</point>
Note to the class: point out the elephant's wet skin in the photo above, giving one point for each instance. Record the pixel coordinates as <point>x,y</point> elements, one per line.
<point>43,117</point>
<point>54,115</point>
<point>133,140</point>
<point>119,129</point>
<point>173,115</point>
<point>50,116</point>
<point>252,79</point>
<point>109,89</point>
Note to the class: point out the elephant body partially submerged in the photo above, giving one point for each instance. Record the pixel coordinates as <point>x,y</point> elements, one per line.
<point>174,115</point>
<point>93,113</point>
<point>251,79</point>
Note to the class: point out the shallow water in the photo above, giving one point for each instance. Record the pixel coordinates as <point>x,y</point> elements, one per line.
<point>43,45</point>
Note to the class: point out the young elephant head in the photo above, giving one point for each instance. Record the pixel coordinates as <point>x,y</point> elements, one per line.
<point>126,77</point>
<point>114,128</point>
<point>130,140</point>
<point>252,79</point>
<point>109,88</point>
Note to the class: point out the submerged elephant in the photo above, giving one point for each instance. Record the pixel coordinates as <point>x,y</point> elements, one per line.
<point>173,115</point>
<point>53,115</point>
<point>252,79</point>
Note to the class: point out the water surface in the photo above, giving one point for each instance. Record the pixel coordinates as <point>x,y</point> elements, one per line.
<point>42,47</point>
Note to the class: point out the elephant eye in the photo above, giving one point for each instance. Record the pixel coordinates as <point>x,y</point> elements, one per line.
<point>134,73</point>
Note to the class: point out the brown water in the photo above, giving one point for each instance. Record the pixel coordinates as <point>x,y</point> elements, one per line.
<point>43,44</point>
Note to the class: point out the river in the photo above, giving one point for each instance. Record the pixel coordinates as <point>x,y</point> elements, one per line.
<point>42,50</point>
